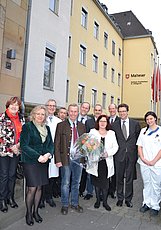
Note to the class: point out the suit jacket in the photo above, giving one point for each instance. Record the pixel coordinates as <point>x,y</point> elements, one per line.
<point>31,143</point>
<point>90,124</point>
<point>127,147</point>
<point>62,140</point>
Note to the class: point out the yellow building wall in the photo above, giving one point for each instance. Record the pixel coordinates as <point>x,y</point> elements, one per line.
<point>12,36</point>
<point>138,66</point>
<point>79,74</point>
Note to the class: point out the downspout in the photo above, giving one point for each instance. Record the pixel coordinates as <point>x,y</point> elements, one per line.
<point>25,56</point>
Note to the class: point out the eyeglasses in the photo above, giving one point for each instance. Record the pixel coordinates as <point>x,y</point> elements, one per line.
<point>103,121</point>
<point>51,105</point>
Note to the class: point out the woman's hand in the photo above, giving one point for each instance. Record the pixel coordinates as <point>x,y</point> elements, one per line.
<point>15,149</point>
<point>44,158</point>
<point>59,164</point>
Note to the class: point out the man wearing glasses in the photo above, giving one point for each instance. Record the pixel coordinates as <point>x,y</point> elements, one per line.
<point>48,190</point>
<point>127,131</point>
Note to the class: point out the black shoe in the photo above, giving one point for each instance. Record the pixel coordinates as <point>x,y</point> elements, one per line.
<point>107,207</point>
<point>119,203</point>
<point>88,196</point>
<point>37,217</point>
<point>97,204</point>
<point>129,204</point>
<point>77,208</point>
<point>3,206</point>
<point>112,194</point>
<point>29,219</point>
<point>42,204</point>
<point>144,208</point>
<point>12,203</point>
<point>81,194</point>
<point>51,202</point>
<point>154,212</point>
<point>64,210</point>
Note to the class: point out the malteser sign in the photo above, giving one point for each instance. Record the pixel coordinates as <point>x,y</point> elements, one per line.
<point>136,79</point>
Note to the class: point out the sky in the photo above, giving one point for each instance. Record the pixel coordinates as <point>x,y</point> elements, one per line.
<point>148,13</point>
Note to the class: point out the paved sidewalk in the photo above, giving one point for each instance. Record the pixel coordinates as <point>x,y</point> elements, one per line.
<point>120,218</point>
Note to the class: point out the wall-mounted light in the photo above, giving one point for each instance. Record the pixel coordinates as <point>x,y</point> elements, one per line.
<point>11,54</point>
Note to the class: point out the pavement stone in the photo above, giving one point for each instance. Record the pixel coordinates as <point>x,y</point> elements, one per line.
<point>120,218</point>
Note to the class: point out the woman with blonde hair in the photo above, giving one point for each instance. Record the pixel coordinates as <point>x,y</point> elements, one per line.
<point>37,148</point>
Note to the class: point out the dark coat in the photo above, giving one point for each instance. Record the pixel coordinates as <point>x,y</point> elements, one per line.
<point>62,141</point>
<point>90,124</point>
<point>31,143</point>
<point>127,146</point>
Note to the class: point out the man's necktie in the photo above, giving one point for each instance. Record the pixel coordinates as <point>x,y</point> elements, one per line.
<point>124,131</point>
<point>82,118</point>
<point>50,118</point>
<point>111,120</point>
<point>75,134</point>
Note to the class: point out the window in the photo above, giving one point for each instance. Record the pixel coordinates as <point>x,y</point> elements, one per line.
<point>95,63</point>
<point>94,97</point>
<point>82,55</point>
<point>84,18</point>
<point>96,30</point>
<point>119,54</point>
<point>104,69</point>
<point>112,99</point>
<point>54,6</point>
<point>113,47</point>
<point>80,94</point>
<point>105,40</point>
<point>48,81</point>
<point>119,79</point>
<point>69,47</point>
<point>103,100</point>
<point>112,75</point>
<point>67,91</point>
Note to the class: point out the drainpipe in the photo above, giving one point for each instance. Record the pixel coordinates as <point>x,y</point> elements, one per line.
<point>25,56</point>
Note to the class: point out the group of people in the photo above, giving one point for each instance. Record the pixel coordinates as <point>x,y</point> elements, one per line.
<point>44,145</point>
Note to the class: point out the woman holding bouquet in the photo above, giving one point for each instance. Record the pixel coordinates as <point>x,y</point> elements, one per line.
<point>105,167</point>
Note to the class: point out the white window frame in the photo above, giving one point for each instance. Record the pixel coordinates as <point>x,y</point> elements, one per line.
<point>82,55</point>
<point>95,63</point>
<point>54,6</point>
<point>81,91</point>
<point>49,69</point>
<point>105,40</point>
<point>84,18</point>
<point>94,97</point>
<point>104,69</point>
<point>96,30</point>
<point>104,99</point>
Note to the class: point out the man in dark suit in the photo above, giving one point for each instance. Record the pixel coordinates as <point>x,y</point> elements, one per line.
<point>86,179</point>
<point>66,134</point>
<point>127,131</point>
<point>112,108</point>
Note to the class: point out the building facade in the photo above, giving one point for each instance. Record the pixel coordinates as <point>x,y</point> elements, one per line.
<point>46,59</point>
<point>13,15</point>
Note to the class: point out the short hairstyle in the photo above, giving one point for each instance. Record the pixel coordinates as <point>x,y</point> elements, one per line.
<point>62,108</point>
<point>34,111</point>
<point>50,100</point>
<point>86,103</point>
<point>74,105</point>
<point>112,104</point>
<point>99,118</point>
<point>13,100</point>
<point>123,105</point>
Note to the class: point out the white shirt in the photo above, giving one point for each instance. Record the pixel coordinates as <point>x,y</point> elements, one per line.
<point>52,123</point>
<point>151,145</point>
<point>84,118</point>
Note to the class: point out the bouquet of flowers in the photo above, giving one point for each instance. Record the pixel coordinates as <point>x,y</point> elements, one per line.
<point>88,147</point>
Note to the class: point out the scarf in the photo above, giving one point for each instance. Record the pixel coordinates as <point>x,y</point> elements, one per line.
<point>17,124</point>
<point>42,130</point>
